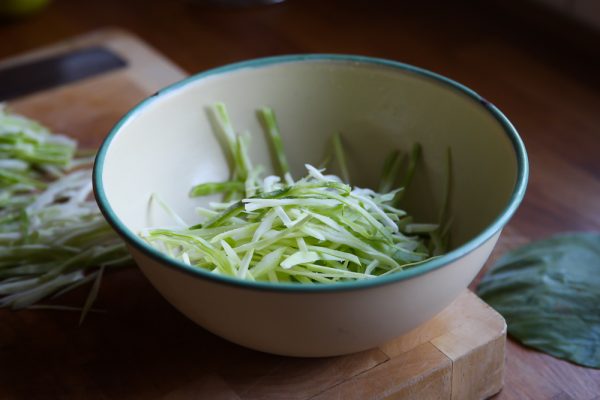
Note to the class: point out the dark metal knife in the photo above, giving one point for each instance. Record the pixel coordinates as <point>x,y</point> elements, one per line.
<point>46,73</point>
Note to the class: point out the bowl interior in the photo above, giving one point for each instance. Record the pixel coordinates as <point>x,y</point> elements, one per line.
<point>167,145</point>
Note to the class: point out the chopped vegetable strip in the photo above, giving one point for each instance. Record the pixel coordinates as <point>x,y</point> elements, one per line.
<point>53,237</point>
<point>317,229</point>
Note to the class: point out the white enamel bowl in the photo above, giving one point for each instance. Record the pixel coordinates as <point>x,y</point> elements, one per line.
<point>166,144</point>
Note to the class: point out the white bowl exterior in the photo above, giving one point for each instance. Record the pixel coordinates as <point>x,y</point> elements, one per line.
<point>168,146</point>
<point>315,324</point>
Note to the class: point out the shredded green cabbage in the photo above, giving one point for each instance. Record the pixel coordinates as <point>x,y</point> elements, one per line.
<point>317,229</point>
<point>53,237</point>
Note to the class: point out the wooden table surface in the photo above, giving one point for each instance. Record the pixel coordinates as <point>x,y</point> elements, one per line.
<point>545,80</point>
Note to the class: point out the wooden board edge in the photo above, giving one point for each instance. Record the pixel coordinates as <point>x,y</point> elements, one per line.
<point>466,308</point>
<point>477,352</point>
<point>150,70</point>
<point>423,373</point>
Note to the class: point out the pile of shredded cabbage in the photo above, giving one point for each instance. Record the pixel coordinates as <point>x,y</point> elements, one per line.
<point>316,229</point>
<point>53,237</point>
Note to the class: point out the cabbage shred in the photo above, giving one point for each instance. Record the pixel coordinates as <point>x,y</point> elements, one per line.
<point>53,237</point>
<point>317,229</point>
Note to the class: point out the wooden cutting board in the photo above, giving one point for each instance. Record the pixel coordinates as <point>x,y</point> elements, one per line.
<point>138,346</point>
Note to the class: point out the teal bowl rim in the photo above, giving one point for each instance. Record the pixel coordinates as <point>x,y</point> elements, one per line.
<point>487,233</point>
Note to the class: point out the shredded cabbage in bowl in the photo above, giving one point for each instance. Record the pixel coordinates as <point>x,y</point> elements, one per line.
<point>317,229</point>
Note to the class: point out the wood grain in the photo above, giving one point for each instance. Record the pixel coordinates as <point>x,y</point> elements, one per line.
<point>425,373</point>
<point>537,74</point>
<point>457,355</point>
<point>476,350</point>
